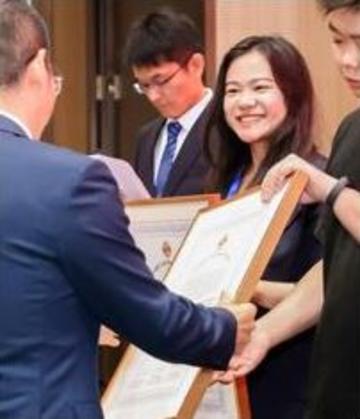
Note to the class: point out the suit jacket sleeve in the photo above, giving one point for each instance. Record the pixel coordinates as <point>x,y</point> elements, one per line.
<point>137,159</point>
<point>112,280</point>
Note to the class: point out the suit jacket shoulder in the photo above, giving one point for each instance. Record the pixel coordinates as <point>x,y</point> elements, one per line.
<point>189,173</point>
<point>144,157</point>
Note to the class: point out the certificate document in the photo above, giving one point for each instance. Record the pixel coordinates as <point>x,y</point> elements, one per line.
<point>160,225</point>
<point>219,402</point>
<point>129,184</point>
<point>225,252</point>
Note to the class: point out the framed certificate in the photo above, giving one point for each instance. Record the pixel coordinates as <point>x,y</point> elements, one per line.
<point>160,225</point>
<point>221,402</point>
<point>225,252</point>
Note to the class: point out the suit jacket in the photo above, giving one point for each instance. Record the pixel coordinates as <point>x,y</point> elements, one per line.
<point>190,169</point>
<point>67,264</point>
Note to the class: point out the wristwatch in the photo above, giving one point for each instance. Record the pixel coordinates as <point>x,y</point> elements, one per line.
<point>339,186</point>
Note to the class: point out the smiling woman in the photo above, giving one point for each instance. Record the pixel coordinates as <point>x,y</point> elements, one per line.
<point>266,77</point>
<point>263,110</point>
<point>254,105</point>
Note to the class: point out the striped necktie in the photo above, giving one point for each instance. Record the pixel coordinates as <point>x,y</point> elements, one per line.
<point>173,130</point>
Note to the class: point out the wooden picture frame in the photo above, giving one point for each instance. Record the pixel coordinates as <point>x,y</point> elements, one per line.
<point>155,223</point>
<point>237,238</point>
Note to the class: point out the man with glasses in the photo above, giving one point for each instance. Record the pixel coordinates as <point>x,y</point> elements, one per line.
<point>165,54</point>
<point>67,260</point>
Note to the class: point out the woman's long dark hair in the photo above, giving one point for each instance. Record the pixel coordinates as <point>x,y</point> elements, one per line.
<point>294,135</point>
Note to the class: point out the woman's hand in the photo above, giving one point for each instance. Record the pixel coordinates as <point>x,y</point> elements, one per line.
<point>316,190</point>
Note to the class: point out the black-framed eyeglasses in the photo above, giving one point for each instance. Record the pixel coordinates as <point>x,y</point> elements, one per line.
<point>144,88</point>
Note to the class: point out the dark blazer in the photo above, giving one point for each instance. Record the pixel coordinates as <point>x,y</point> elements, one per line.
<point>190,169</point>
<point>67,264</point>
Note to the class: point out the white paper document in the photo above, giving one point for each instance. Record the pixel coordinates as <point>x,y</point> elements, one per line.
<point>219,402</point>
<point>129,184</point>
<point>159,227</point>
<point>138,384</point>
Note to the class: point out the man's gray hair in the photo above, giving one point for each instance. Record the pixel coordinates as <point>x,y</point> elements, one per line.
<point>330,5</point>
<point>22,33</point>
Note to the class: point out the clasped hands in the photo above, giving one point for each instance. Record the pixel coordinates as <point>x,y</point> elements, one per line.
<point>251,344</point>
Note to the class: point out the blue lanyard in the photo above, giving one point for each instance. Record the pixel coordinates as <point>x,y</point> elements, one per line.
<point>235,184</point>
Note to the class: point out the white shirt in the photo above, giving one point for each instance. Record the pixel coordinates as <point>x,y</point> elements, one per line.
<point>187,120</point>
<point>18,122</point>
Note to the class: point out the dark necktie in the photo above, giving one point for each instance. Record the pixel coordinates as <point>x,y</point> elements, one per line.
<point>173,130</point>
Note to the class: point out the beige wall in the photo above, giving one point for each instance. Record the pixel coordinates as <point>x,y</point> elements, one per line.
<point>70,25</point>
<point>302,23</point>
<point>68,22</point>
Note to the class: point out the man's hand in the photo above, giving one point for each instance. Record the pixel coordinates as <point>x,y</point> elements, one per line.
<point>245,316</point>
<point>317,188</point>
<point>108,338</point>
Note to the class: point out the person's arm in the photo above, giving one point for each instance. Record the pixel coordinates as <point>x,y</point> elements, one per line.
<point>347,211</point>
<point>269,293</point>
<point>296,313</point>
<point>108,275</point>
<point>347,204</point>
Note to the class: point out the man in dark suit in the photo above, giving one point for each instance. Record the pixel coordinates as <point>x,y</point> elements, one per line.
<point>67,261</point>
<point>165,53</point>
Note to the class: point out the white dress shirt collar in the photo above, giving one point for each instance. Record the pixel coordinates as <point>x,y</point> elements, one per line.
<point>18,122</point>
<point>187,121</point>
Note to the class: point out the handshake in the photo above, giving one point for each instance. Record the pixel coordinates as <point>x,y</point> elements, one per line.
<point>240,362</point>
